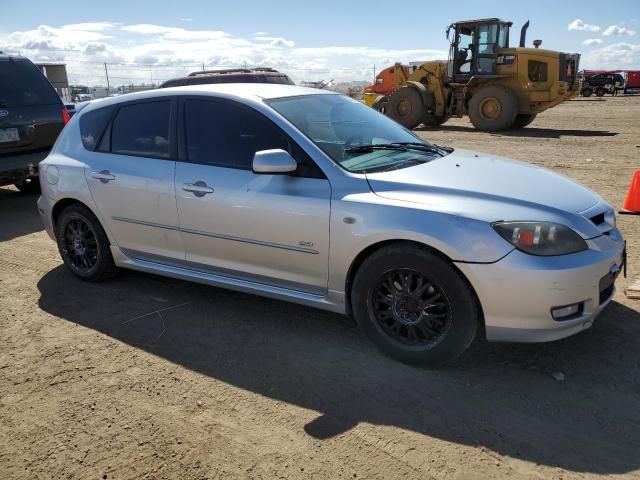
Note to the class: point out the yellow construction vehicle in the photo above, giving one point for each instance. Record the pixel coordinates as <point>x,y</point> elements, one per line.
<point>498,86</point>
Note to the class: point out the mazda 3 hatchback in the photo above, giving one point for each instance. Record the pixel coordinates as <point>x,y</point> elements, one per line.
<point>309,196</point>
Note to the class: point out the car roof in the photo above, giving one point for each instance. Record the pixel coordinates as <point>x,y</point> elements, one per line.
<point>247,91</point>
<point>4,57</point>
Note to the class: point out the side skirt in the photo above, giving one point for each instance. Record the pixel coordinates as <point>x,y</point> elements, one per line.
<point>333,301</point>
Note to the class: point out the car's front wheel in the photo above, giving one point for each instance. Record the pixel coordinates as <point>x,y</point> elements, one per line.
<point>83,244</point>
<point>414,305</point>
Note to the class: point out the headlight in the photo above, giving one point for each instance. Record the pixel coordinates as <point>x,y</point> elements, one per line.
<point>541,238</point>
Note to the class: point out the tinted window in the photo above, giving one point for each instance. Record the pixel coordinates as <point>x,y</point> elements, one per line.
<point>227,134</point>
<point>142,129</point>
<point>22,83</point>
<point>92,124</point>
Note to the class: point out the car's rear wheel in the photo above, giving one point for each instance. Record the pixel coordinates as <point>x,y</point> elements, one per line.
<point>29,186</point>
<point>414,305</point>
<point>587,92</point>
<point>83,244</point>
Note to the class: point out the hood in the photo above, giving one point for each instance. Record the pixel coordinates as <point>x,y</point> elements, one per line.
<point>485,187</point>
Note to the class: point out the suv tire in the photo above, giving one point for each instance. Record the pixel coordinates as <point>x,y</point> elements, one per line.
<point>29,186</point>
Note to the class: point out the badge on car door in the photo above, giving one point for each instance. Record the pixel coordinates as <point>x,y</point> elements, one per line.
<point>4,113</point>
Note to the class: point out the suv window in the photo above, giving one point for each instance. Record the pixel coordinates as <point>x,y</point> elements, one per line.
<point>227,134</point>
<point>22,83</point>
<point>142,129</point>
<point>92,124</point>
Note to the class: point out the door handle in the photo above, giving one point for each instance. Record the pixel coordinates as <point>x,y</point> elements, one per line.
<point>104,176</point>
<point>198,188</point>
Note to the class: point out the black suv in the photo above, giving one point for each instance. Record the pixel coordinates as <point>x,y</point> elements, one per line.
<point>31,117</point>
<point>600,84</point>
<point>235,75</point>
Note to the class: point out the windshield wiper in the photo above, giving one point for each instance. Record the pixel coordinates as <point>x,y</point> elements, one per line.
<point>424,147</point>
<point>376,146</point>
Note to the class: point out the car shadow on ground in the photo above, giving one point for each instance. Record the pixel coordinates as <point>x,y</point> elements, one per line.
<point>529,132</point>
<point>18,214</point>
<point>498,396</point>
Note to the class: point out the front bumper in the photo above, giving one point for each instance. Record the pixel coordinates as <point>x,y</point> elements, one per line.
<point>518,292</point>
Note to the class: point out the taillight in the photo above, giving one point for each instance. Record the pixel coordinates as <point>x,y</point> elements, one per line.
<point>65,115</point>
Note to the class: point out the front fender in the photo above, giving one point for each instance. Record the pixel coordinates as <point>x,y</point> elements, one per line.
<point>358,223</point>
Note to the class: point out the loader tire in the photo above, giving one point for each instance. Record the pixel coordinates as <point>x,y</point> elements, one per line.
<point>434,121</point>
<point>524,119</point>
<point>406,107</point>
<point>493,108</point>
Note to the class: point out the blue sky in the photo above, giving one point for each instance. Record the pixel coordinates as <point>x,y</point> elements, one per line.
<point>312,41</point>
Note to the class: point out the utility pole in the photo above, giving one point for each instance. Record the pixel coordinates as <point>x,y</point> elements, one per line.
<point>203,66</point>
<point>106,74</point>
<point>374,73</point>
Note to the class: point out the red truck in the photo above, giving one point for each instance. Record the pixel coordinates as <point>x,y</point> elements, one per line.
<point>631,80</point>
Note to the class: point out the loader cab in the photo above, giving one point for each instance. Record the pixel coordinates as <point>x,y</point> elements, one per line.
<point>474,47</point>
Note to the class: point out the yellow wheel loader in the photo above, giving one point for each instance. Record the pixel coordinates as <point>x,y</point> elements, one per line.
<point>499,87</point>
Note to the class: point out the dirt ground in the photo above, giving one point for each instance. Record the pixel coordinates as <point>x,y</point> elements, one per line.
<point>148,377</point>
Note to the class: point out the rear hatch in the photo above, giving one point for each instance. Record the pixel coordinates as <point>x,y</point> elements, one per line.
<point>31,112</point>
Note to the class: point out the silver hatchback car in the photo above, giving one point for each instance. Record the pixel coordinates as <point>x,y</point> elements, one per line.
<point>309,196</point>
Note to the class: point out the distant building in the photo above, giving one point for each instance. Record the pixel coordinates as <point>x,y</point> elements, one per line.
<point>56,73</point>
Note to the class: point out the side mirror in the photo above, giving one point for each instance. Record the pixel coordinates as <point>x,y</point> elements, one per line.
<point>274,162</point>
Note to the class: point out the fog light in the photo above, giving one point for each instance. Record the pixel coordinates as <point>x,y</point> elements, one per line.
<point>567,312</point>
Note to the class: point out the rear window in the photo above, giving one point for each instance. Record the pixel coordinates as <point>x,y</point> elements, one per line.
<point>22,83</point>
<point>142,129</point>
<point>92,125</point>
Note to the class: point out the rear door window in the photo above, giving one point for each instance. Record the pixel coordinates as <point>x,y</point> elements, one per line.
<point>22,84</point>
<point>92,125</point>
<point>142,129</point>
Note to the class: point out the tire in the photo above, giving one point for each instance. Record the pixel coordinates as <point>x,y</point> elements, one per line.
<point>434,121</point>
<point>600,92</point>
<point>406,107</point>
<point>100,265</point>
<point>524,119</point>
<point>587,92</point>
<point>29,186</point>
<point>493,108</point>
<point>380,104</point>
<point>434,340</point>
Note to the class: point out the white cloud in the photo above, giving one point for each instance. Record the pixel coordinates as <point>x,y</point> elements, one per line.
<point>274,41</point>
<point>148,52</point>
<point>617,56</point>
<point>618,31</point>
<point>90,26</point>
<point>186,19</point>
<point>592,41</point>
<point>579,25</point>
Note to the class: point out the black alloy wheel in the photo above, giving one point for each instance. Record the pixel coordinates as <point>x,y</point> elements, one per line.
<point>410,308</point>
<point>80,245</point>
<point>83,244</point>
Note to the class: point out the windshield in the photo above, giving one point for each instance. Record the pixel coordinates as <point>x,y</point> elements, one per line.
<point>355,136</point>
